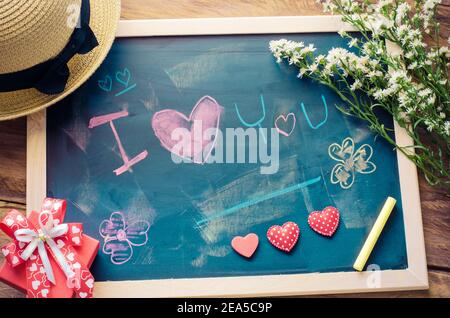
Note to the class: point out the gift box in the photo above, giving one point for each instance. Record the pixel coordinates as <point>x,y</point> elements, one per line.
<point>48,258</point>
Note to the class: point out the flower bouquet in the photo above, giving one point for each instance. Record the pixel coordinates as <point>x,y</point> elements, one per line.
<point>397,63</point>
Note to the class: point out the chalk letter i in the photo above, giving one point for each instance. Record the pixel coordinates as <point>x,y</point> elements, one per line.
<point>127,163</point>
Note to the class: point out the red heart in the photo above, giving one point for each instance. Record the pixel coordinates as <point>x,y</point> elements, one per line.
<point>284,237</point>
<point>245,246</point>
<point>324,222</point>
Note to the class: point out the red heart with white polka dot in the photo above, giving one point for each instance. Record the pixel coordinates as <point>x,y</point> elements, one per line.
<point>324,222</point>
<point>284,237</point>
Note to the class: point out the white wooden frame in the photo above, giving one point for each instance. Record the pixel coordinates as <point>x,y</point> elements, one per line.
<point>414,277</point>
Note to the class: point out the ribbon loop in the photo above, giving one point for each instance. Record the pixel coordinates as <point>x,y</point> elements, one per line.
<point>37,240</point>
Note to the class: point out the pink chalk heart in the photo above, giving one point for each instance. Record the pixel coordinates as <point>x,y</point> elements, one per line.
<point>192,137</point>
<point>245,246</point>
<point>288,124</point>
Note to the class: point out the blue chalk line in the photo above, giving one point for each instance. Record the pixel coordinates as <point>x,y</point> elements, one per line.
<point>269,196</point>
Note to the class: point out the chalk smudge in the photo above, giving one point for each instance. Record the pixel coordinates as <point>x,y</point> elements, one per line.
<point>139,207</point>
<point>78,132</point>
<point>197,69</point>
<point>208,251</point>
<point>145,256</point>
<point>151,103</point>
<point>250,185</point>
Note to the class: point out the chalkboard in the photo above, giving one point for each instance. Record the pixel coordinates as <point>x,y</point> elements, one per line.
<point>181,202</point>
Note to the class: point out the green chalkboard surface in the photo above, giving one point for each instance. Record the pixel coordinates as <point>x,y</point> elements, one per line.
<point>156,217</point>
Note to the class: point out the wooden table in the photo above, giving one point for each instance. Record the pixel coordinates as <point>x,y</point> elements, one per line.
<point>435,201</point>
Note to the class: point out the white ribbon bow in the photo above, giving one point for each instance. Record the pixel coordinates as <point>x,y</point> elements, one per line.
<point>45,234</point>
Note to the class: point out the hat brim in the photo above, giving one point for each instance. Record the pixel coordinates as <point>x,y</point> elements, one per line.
<point>104,20</point>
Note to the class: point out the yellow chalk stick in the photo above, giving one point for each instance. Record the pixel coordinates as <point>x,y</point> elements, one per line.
<point>374,234</point>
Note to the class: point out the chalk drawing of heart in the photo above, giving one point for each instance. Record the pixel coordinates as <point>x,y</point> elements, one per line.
<point>124,77</point>
<point>284,237</point>
<point>282,119</point>
<point>184,136</point>
<point>245,246</point>
<point>324,222</point>
<point>105,84</point>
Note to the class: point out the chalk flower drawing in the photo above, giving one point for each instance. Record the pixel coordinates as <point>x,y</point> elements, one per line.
<point>121,237</point>
<point>350,162</point>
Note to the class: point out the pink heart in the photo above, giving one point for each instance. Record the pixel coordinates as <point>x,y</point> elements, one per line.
<point>204,116</point>
<point>285,119</point>
<point>245,246</point>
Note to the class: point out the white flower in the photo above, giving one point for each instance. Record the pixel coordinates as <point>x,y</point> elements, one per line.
<point>409,55</point>
<point>320,58</point>
<point>302,72</point>
<point>328,6</point>
<point>425,92</point>
<point>444,51</point>
<point>379,22</point>
<point>413,65</point>
<point>342,33</point>
<point>402,12</point>
<point>356,85</point>
<point>353,42</point>
<point>447,128</point>
<point>374,74</point>
<point>313,68</point>
<point>378,95</point>
<point>309,49</point>
<point>397,76</point>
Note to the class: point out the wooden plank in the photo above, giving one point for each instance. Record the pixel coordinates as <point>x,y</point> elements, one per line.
<point>145,9</point>
<point>12,159</point>
<point>5,207</point>
<point>436,223</point>
<point>439,287</point>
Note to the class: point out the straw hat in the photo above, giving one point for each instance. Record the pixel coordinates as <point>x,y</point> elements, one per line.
<point>48,48</point>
